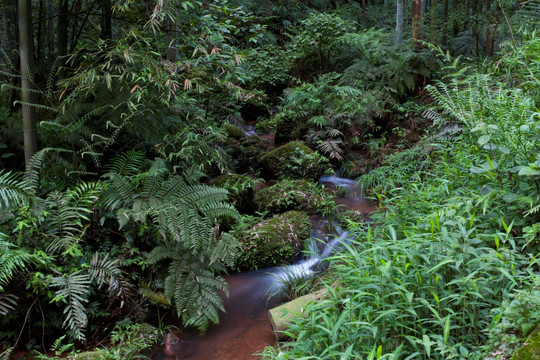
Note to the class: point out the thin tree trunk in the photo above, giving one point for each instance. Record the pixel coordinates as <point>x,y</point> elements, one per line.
<point>10,30</point>
<point>399,22</point>
<point>417,22</point>
<point>62,39</point>
<point>27,65</point>
<point>106,22</point>
<point>63,20</point>
<point>489,52</point>
<point>445,24</point>
<point>172,45</point>
<point>456,13</point>
<point>50,27</point>
<point>364,10</point>
<point>39,32</point>
<point>433,12</point>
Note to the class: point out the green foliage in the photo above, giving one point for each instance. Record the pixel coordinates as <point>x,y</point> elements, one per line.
<point>450,271</point>
<point>318,35</point>
<point>323,113</point>
<point>185,217</point>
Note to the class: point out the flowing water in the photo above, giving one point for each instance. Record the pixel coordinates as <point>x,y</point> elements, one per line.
<point>244,329</point>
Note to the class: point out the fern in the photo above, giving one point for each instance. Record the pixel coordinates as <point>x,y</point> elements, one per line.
<point>14,191</point>
<point>68,212</point>
<point>11,261</point>
<point>103,270</point>
<point>8,302</point>
<point>73,291</point>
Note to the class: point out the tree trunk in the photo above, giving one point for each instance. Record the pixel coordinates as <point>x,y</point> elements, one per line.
<point>50,28</point>
<point>433,12</point>
<point>416,22</point>
<point>106,19</point>
<point>456,13</point>
<point>172,44</point>
<point>364,10</point>
<point>39,37</point>
<point>444,40</point>
<point>27,65</point>
<point>399,22</point>
<point>62,39</point>
<point>10,30</point>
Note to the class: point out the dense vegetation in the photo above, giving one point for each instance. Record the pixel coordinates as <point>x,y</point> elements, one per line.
<point>136,188</point>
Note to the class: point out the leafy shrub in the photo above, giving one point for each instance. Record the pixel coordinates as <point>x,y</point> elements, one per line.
<point>322,113</point>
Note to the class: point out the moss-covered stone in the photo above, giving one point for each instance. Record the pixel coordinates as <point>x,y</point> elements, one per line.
<point>274,241</point>
<point>233,131</point>
<point>530,349</point>
<point>240,187</point>
<point>294,161</point>
<point>294,194</point>
<point>280,316</point>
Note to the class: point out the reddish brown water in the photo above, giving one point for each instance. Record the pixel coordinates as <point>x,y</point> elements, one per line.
<point>242,331</point>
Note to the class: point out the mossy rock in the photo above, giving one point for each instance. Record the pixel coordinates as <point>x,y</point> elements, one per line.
<point>90,355</point>
<point>233,131</point>
<point>530,349</point>
<point>294,195</point>
<point>281,316</point>
<point>294,161</point>
<point>240,187</point>
<point>276,241</point>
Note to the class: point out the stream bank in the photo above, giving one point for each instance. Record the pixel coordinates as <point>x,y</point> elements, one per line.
<point>244,329</point>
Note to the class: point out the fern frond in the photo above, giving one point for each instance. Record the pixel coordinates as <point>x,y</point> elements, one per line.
<point>8,302</point>
<point>126,164</point>
<point>37,106</point>
<point>14,190</point>
<point>11,261</point>
<point>332,149</point>
<point>73,291</point>
<point>103,270</point>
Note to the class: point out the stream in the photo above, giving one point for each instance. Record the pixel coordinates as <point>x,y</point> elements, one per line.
<point>244,329</point>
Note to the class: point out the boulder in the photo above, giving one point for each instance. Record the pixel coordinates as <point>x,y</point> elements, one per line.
<point>293,194</point>
<point>531,347</point>
<point>282,315</point>
<point>240,187</point>
<point>275,241</point>
<point>294,161</point>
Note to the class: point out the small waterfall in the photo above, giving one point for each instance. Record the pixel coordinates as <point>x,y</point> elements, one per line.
<point>250,130</point>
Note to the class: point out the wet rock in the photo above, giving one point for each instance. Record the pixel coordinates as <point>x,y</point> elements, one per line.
<point>294,161</point>
<point>293,194</point>
<point>531,347</point>
<point>274,241</point>
<point>281,315</point>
